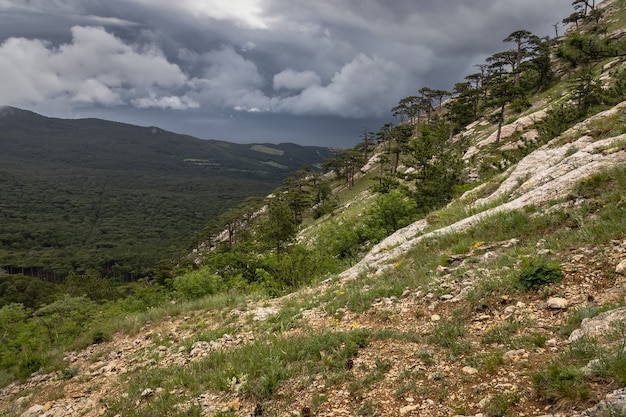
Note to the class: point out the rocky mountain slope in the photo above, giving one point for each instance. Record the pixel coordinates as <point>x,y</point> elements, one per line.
<point>508,301</point>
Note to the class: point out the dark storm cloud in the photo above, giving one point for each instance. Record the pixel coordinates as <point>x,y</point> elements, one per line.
<point>233,63</point>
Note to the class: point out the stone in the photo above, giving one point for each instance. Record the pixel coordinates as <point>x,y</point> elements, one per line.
<point>557,303</point>
<point>469,370</point>
<point>613,404</point>
<point>489,255</point>
<point>591,368</point>
<point>462,294</point>
<point>234,405</point>
<point>509,310</point>
<point>407,409</point>
<point>32,411</point>
<point>514,356</point>
<point>552,342</point>
<point>435,317</point>
<point>443,269</point>
<point>621,268</point>
<point>485,401</point>
<point>22,400</point>
<point>600,324</point>
<point>148,392</point>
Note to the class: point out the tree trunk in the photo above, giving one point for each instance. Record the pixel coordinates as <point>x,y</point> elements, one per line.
<point>500,121</point>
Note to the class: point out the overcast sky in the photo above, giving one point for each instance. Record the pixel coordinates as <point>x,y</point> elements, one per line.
<point>313,72</point>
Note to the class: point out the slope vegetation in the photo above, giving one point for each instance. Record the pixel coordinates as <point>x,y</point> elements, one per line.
<point>503,295</point>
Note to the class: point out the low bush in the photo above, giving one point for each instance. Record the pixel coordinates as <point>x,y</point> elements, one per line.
<point>536,273</point>
<point>196,284</point>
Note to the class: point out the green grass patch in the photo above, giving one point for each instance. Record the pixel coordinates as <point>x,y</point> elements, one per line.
<point>502,333</point>
<point>255,370</point>
<point>557,382</point>
<point>447,333</point>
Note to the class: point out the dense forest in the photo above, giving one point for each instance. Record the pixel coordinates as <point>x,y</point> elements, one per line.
<point>89,194</point>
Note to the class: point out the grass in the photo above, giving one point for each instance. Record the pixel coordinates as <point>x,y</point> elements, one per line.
<point>446,334</point>
<point>613,364</point>
<point>503,333</point>
<point>254,370</point>
<point>381,367</point>
<point>499,405</point>
<point>558,382</point>
<point>286,319</point>
<point>359,295</point>
<point>580,313</point>
<point>489,361</point>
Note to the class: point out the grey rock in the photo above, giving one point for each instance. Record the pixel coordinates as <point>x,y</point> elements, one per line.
<point>514,356</point>
<point>32,411</point>
<point>614,402</point>
<point>600,324</point>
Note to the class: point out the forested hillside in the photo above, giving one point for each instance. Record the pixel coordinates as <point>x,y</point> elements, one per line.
<point>91,194</point>
<point>469,260</point>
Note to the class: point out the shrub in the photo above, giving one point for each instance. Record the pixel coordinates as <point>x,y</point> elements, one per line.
<point>535,273</point>
<point>66,319</point>
<point>197,284</point>
<point>391,212</point>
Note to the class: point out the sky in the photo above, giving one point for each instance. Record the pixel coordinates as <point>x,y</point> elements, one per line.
<point>309,72</point>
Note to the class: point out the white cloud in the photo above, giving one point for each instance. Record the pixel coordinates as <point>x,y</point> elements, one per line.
<point>365,86</point>
<point>170,102</point>
<point>95,68</point>
<point>293,80</point>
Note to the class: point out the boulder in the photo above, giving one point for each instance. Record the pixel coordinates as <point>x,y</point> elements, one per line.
<point>600,324</point>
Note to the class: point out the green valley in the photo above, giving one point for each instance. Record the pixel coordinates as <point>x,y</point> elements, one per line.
<point>92,194</point>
